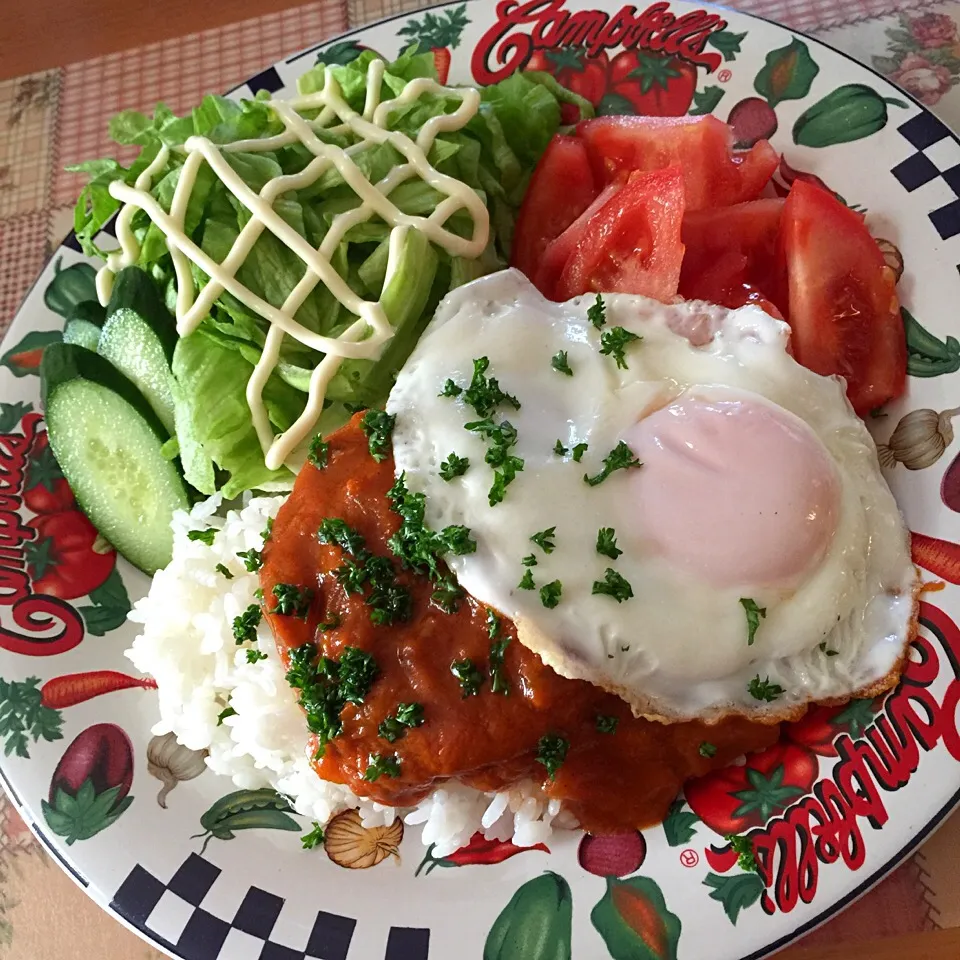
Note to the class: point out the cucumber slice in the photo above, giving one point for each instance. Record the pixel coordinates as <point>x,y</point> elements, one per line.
<point>83,333</point>
<point>139,337</point>
<point>89,310</point>
<point>132,346</point>
<point>134,289</point>
<point>107,441</point>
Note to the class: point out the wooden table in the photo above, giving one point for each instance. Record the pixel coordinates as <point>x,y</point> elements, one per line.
<point>43,34</point>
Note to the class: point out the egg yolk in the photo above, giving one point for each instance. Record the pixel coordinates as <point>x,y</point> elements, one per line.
<point>735,491</point>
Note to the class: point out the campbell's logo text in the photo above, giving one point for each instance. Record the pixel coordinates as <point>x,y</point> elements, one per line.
<point>522,28</point>
<point>828,826</point>
<point>44,625</point>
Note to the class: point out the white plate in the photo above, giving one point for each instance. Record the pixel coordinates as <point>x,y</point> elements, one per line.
<point>839,818</point>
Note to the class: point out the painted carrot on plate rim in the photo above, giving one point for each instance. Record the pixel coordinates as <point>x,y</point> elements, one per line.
<point>74,688</point>
<point>940,557</point>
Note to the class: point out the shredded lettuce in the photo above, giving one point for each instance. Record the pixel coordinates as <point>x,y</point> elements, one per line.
<point>494,154</point>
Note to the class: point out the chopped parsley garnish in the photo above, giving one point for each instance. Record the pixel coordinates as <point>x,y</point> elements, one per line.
<point>501,437</point>
<point>498,647</point>
<point>228,712</point>
<point>607,543</point>
<point>258,593</point>
<point>407,715</point>
<point>597,312</point>
<point>314,838</point>
<point>550,593</point>
<point>389,601</point>
<point>484,393</point>
<point>526,581</point>
<point>204,536</point>
<point>352,576</point>
<point>829,653</point>
<point>252,559</point>
<point>292,601</point>
<point>544,539</point>
<point>417,546</point>
<point>743,848</point>
<point>338,532</point>
<point>607,724</point>
<point>220,568</point>
<point>378,426</point>
<point>498,681</point>
<point>356,672</point>
<point>331,623</point>
<point>379,766</point>
<point>614,341</point>
<point>551,752</point>
<point>613,585</point>
<point>319,452</point>
<point>268,529</point>
<point>619,458</point>
<point>579,449</point>
<point>254,655</point>
<point>763,689</point>
<point>754,613</point>
<point>448,595</point>
<point>454,466</point>
<point>353,408</point>
<point>327,685</point>
<point>502,478</point>
<point>410,714</point>
<point>469,675</point>
<point>245,625</point>
<point>560,363</point>
<point>529,560</point>
<point>707,750</point>
<point>450,389</point>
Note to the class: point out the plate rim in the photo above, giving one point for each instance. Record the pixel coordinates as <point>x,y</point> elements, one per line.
<point>836,906</point>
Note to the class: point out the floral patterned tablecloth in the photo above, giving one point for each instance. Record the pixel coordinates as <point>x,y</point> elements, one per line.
<point>50,120</point>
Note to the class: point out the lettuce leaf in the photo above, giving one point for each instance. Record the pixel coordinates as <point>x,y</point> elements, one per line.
<point>494,154</point>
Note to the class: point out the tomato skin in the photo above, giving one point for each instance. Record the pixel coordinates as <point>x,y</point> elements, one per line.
<point>41,499</point>
<point>731,254</point>
<point>70,567</point>
<point>585,75</point>
<point>820,726</point>
<point>728,802</point>
<point>841,298</point>
<point>561,188</point>
<point>632,243</point>
<point>46,491</point>
<point>713,174</point>
<point>650,84</point>
<point>557,253</point>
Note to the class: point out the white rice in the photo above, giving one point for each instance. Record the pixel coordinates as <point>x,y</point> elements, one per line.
<point>187,646</point>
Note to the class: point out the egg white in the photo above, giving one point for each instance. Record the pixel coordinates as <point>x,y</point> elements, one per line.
<point>678,648</point>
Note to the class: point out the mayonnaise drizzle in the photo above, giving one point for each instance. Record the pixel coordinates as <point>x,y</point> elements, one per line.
<point>363,339</point>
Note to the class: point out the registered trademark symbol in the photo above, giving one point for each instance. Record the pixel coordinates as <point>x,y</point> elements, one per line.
<point>689,857</point>
<point>724,75</point>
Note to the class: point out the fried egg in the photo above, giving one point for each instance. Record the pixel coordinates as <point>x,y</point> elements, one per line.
<point>746,556</point>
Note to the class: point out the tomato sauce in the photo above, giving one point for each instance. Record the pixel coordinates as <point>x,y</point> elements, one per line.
<point>609,781</point>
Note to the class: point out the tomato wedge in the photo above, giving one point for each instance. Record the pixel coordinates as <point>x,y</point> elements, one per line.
<point>557,254</point>
<point>632,243</point>
<point>843,307</point>
<point>731,252</point>
<point>714,175</point>
<point>561,188</point>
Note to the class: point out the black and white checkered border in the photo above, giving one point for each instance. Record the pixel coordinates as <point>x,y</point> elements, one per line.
<point>172,915</point>
<point>932,172</point>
